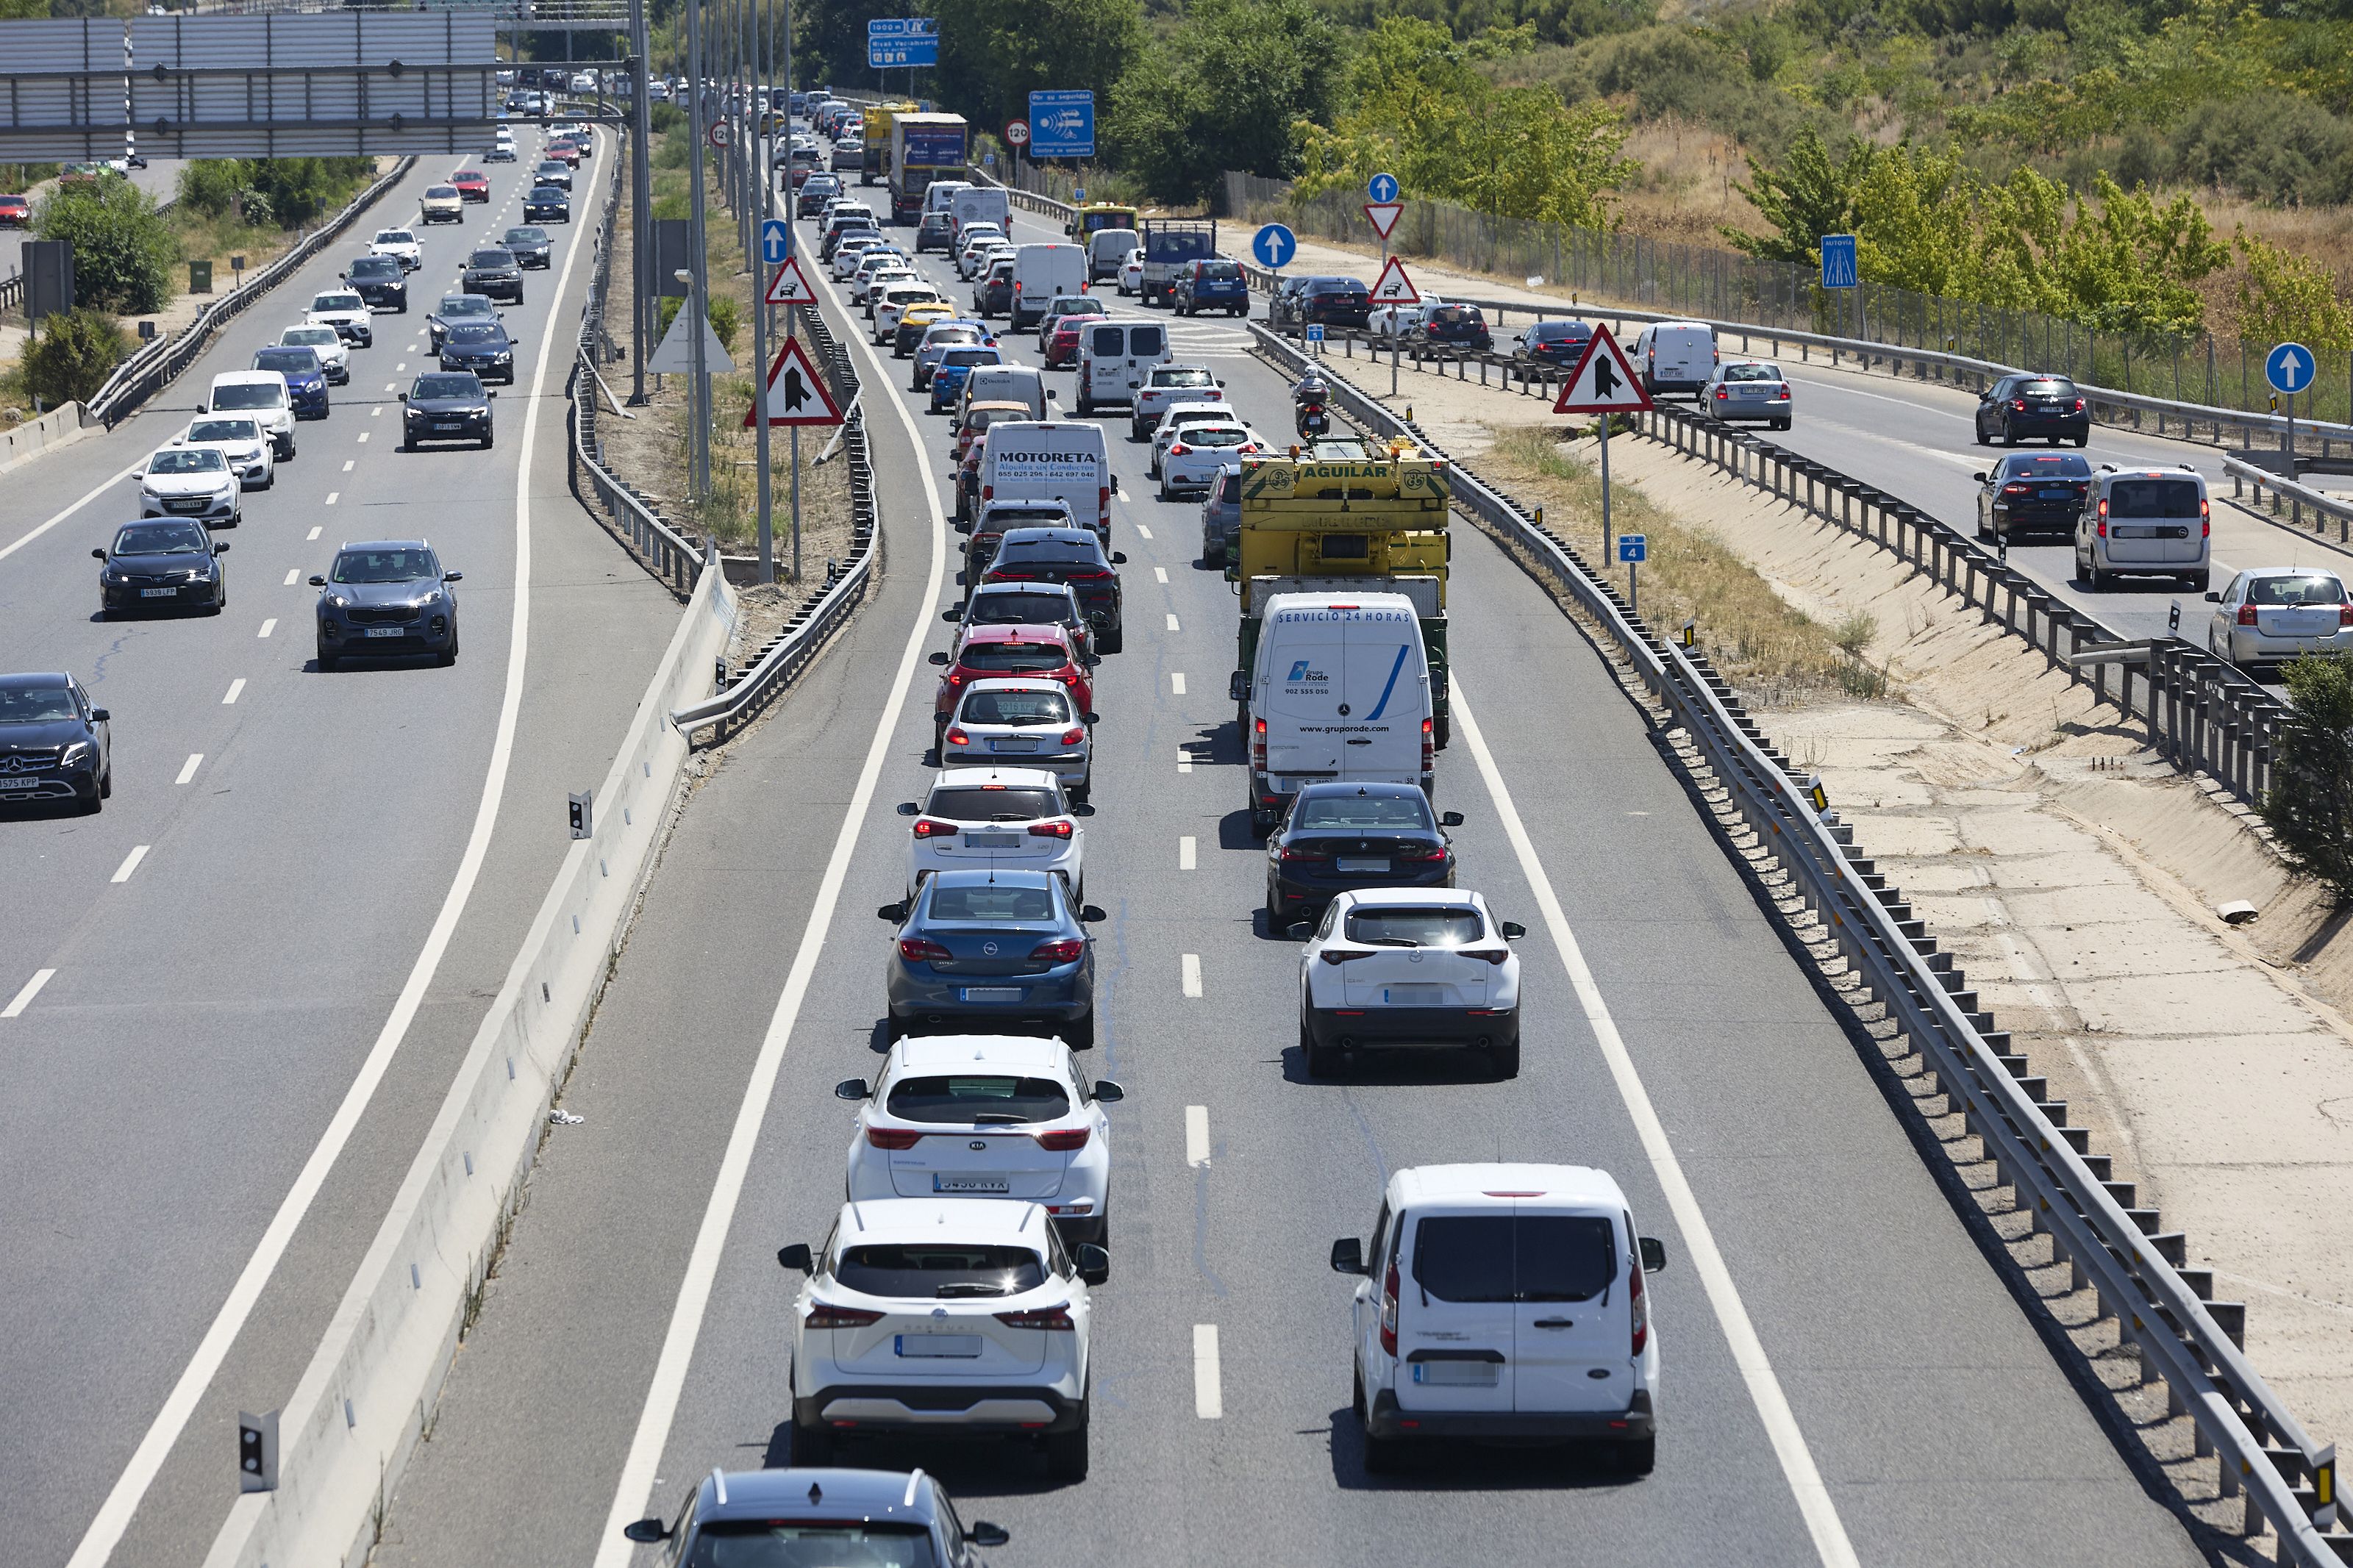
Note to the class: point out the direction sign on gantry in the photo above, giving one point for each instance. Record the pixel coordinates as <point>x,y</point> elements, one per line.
<point>790,285</point>
<point>1603,381</point>
<point>1394,288</point>
<point>796,395</point>
<point>1384,215</point>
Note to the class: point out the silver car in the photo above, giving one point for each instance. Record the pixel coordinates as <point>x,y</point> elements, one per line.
<point>2268,614</point>
<point>1753,390</point>
<point>1221,516</point>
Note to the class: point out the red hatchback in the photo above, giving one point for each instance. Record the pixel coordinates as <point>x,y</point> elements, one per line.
<point>987,653</point>
<point>1062,348</point>
<point>472,185</point>
<point>569,152</point>
<point>15,212</point>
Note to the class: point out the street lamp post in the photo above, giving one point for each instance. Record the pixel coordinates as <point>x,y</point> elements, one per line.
<point>698,282</point>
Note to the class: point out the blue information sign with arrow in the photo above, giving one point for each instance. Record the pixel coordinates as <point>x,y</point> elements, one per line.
<point>1382,187</point>
<point>2289,368</point>
<point>1274,245</point>
<point>774,240</point>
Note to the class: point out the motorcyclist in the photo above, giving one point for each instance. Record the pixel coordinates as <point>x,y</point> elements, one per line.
<point>1310,388</point>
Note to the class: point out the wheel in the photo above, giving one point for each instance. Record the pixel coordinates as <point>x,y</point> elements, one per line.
<point>2084,440</point>
<point>407,444</point>
<point>1065,1454</point>
<point>1983,439</point>
<point>1638,1456</point>
<point>1086,408</point>
<point>269,479</point>
<point>1505,1059</point>
<point>488,441</point>
<point>1274,926</point>
<point>1135,430</point>
<point>1383,1455</point>
<point>2196,582</point>
<point>450,656</point>
<point>326,660</point>
<point>1165,493</point>
<point>812,1446</point>
<point>1983,532</point>
<point>2100,580</point>
<point>1115,639</point>
<point>2083,570</point>
<point>2009,438</point>
<point>106,780</point>
<point>1152,466</point>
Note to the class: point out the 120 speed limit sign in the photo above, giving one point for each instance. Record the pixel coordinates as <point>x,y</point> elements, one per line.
<point>1017,133</point>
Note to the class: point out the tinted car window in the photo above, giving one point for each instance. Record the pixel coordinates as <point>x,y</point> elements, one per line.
<point>992,901</point>
<point>1553,331</point>
<point>288,362</point>
<point>1013,658</point>
<point>376,267</point>
<point>1222,271</point>
<point>191,460</point>
<point>1183,378</point>
<point>35,704</point>
<point>492,258</point>
<point>2051,386</point>
<point>971,356</point>
<point>2153,497</point>
<point>162,539</point>
<point>1215,435</point>
<point>1018,609</point>
<point>433,386</point>
<point>249,394</point>
<point>2047,465</point>
<point>383,566</point>
<point>1465,1257</point>
<point>939,1270</point>
<point>990,802</point>
<point>224,430</point>
<point>1514,1257</point>
<point>979,1097</point>
<point>1016,708</point>
<point>781,1543</point>
<point>1362,811</point>
<point>2313,589</point>
<point>530,235</point>
<point>1414,928</point>
<point>1751,373</point>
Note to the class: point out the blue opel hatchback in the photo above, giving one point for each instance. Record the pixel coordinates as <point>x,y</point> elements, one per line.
<point>996,951</point>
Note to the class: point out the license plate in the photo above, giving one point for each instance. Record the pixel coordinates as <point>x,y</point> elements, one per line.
<point>17,780</point>
<point>448,425</point>
<point>985,1185</point>
<point>1456,1373</point>
<point>1358,864</point>
<point>1024,743</point>
<point>387,631</point>
<point>158,593</point>
<point>965,1347</point>
<point>992,841</point>
<point>991,992</point>
<point>1408,995</point>
<point>2058,495</point>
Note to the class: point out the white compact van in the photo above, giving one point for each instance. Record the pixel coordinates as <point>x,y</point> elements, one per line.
<point>2146,523</point>
<point>979,203</point>
<point>261,394</point>
<point>1339,690</point>
<point>1675,356</point>
<point>940,195</point>
<point>1115,359</point>
<point>1107,251</point>
<point>1041,272</point>
<point>1051,459</point>
<point>1005,383</point>
<point>1507,1302</point>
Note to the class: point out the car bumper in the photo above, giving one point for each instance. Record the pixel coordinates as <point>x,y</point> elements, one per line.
<point>2008,520</point>
<point>205,509</point>
<point>507,288</point>
<point>2067,426</point>
<point>310,405</point>
<point>1731,413</point>
<point>419,431</point>
<point>983,1410</point>
<point>80,782</point>
<point>1177,475</point>
<point>2252,647</point>
<point>1384,1419</point>
<point>546,214</point>
<point>1315,892</point>
<point>1071,767</point>
<point>116,596</point>
<point>416,636</point>
<point>1380,1027</point>
<point>386,299</point>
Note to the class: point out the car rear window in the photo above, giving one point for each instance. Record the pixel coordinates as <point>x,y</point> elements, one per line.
<point>1223,271</point>
<point>1014,658</point>
<point>2052,388</point>
<point>1049,552</point>
<point>2312,588</point>
<point>991,902</point>
<point>938,1271</point>
<point>1437,926</point>
<point>1751,373</point>
<point>786,1543</point>
<point>1183,378</point>
<point>2048,465</point>
<point>1553,331</point>
<point>990,803</point>
<point>1454,315</point>
<point>2153,497</point>
<point>1361,812</point>
<point>1019,609</point>
<point>1015,707</point>
<point>1514,1257</point>
<point>976,1097</point>
<point>1215,436</point>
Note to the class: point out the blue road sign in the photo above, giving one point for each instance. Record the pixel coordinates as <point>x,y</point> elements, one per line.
<point>2289,368</point>
<point>1274,245</point>
<point>1382,187</point>
<point>1062,124</point>
<point>1633,547</point>
<point>774,239</point>
<point>1314,332</point>
<point>1838,261</point>
<point>903,41</point>
<point>1078,193</point>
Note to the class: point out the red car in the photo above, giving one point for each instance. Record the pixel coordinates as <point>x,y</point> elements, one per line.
<point>984,653</point>
<point>473,187</point>
<point>15,212</point>
<point>567,151</point>
<point>1062,348</point>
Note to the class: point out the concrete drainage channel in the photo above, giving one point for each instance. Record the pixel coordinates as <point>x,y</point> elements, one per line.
<point>1878,958</point>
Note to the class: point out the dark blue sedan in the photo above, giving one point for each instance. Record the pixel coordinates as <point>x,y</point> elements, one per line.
<point>306,378</point>
<point>164,564</point>
<point>481,347</point>
<point>993,952</point>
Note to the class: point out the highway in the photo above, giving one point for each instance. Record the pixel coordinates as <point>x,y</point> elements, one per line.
<point>259,964</point>
<point>1851,1381</point>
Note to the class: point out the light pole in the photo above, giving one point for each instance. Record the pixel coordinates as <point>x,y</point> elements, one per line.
<point>697,278</point>
<point>641,237</point>
<point>757,223</point>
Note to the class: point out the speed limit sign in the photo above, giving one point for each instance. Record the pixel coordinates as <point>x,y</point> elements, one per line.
<point>1017,133</point>
<point>717,134</point>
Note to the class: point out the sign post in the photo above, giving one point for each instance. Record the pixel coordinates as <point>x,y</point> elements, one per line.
<point>1603,382</point>
<point>1633,549</point>
<point>2289,367</point>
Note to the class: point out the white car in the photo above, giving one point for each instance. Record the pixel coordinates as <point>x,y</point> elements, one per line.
<point>398,242</point>
<point>891,303</point>
<point>1034,721</point>
<point>1178,417</point>
<point>346,312</point>
<point>962,1317</point>
<point>335,354</point>
<point>1410,967</point>
<point>987,1116</point>
<point>1013,817</point>
<point>849,253</point>
<point>1748,389</point>
<point>1131,273</point>
<point>260,395</point>
<point>2269,614</point>
<point>1388,324</point>
<point>1167,386</point>
<point>976,241</point>
<point>192,481</point>
<point>885,266</point>
<point>242,441</point>
<point>1191,462</point>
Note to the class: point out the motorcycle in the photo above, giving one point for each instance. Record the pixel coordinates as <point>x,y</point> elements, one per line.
<point>1312,421</point>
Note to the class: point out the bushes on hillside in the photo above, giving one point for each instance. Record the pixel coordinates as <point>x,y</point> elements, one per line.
<point>1223,93</point>
<point>2309,807</point>
<point>71,356</point>
<point>123,251</point>
<point>272,192</point>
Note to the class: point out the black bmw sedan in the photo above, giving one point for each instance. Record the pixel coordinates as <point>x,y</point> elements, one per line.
<point>164,564</point>
<point>53,745</point>
<point>1341,836</point>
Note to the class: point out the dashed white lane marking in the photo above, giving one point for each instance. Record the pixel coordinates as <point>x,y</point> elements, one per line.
<point>1176,682</point>
<point>371,414</point>
<point>235,688</point>
<point>1208,1393</point>
<point>314,532</point>
<point>188,768</point>
<point>1141,532</point>
<point>268,626</point>
<point>1160,573</point>
<point>350,463</point>
<point>1196,1135</point>
<point>129,864</point>
<point>332,497</point>
<point>1192,972</point>
<point>397,369</point>
<point>1172,623</point>
<point>23,998</point>
<point>293,575</point>
<point>363,435</point>
<point>1184,853</point>
<point>392,386</point>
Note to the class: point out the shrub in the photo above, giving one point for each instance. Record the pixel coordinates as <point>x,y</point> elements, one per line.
<point>2309,807</point>
<point>72,356</point>
<point>124,252</point>
<point>212,186</point>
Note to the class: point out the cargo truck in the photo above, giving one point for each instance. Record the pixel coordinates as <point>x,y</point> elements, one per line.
<point>1168,244</point>
<point>876,136</point>
<point>924,148</point>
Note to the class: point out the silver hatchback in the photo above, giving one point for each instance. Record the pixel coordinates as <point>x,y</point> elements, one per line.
<point>2269,614</point>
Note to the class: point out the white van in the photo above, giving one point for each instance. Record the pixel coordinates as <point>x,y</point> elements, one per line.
<point>1041,272</point>
<point>1005,383</point>
<point>1339,690</point>
<point>1504,1301</point>
<point>1107,251</point>
<point>940,195</point>
<point>980,204</point>
<point>1051,459</point>
<point>1675,356</point>
<point>261,394</point>
<point>2146,523</point>
<point>1115,359</point>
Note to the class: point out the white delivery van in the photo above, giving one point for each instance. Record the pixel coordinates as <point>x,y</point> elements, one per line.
<point>1107,251</point>
<point>1041,272</point>
<point>1675,356</point>
<point>1005,383</point>
<point>1504,1301</point>
<point>261,395</point>
<point>940,195</point>
<point>1115,359</point>
<point>1339,690</point>
<point>1051,459</point>
<point>980,204</point>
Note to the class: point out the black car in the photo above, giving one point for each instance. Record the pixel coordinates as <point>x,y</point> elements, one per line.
<point>494,273</point>
<point>1332,301</point>
<point>2018,407</point>
<point>446,407</point>
<point>381,280</point>
<point>546,204</point>
<point>1075,557</point>
<point>1551,344</point>
<point>386,598</point>
<point>530,246</point>
<point>934,233</point>
<point>1340,836</point>
<point>161,564</point>
<point>2040,492</point>
<point>481,347</point>
<point>817,190</point>
<point>53,745</point>
<point>453,309</point>
<point>553,172</point>
<point>1450,328</point>
<point>992,293</point>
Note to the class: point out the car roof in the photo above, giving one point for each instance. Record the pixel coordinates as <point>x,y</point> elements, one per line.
<point>993,876</point>
<point>817,1492</point>
<point>1017,683</point>
<point>34,679</point>
<point>1371,791</point>
<point>382,544</point>
<point>929,1053</point>
<point>1020,631</point>
<point>1508,1182</point>
<point>2291,572</point>
<point>1046,533</point>
<point>935,1219</point>
<point>1007,778</point>
<point>1410,897</point>
<point>248,377</point>
<point>1030,586</point>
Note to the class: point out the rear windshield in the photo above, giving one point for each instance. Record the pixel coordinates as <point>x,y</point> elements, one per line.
<point>1046,552</point>
<point>936,1270</point>
<point>249,394</point>
<point>1215,435</point>
<point>999,518</point>
<point>2054,387</point>
<point>990,803</point>
<point>2048,466</point>
<point>1514,1257</point>
<point>952,334</point>
<point>1016,708</point>
<point>2153,497</point>
<point>1019,609</point>
<point>1436,927</point>
<point>1752,373</point>
<point>1224,271</point>
<point>781,1543</point>
<point>1014,658</point>
<point>1336,286</point>
<point>1361,812</point>
<point>970,356</point>
<point>1454,315</point>
<point>1546,332</point>
<point>1183,378</point>
<point>991,902</point>
<point>979,1097</point>
<point>2313,589</point>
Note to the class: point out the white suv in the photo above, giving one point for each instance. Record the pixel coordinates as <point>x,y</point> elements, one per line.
<point>1504,1301</point>
<point>1167,386</point>
<point>1017,819</point>
<point>944,1317</point>
<point>401,244</point>
<point>1409,966</point>
<point>987,1116</point>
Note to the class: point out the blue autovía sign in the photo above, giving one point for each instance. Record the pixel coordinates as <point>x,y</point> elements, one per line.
<point>1062,124</point>
<point>903,41</point>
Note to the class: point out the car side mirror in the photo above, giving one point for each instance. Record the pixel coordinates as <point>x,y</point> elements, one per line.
<point>908,808</point>
<point>852,1089</point>
<point>2210,598</point>
<point>939,658</point>
<point>1114,484</point>
<point>220,549</point>
<point>951,615</point>
<point>1091,914</point>
<point>1082,809</point>
<point>1980,477</point>
<point>1109,1092</point>
<point>1094,1263</point>
<point>491,395</point>
<point>1513,931</point>
<point>1087,717</point>
<point>1119,558</point>
<point>1221,381</point>
<point>1348,1255</point>
<point>1236,688</point>
<point>894,912</point>
<point>796,1255</point>
<point>645,1532</point>
<point>980,1532</point>
<point>317,580</point>
<point>453,576</point>
<point>100,555</point>
<point>1450,819</point>
<point>1654,1255</point>
<point>1299,930</point>
<point>99,715</point>
<point>965,526</point>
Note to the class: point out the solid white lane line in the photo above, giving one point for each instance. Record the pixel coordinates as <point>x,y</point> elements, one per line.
<point>1160,573</point>
<point>314,532</point>
<point>129,864</point>
<point>188,768</point>
<point>1141,532</point>
<point>122,1500</point>
<point>1191,969</point>
<point>103,486</point>
<point>23,998</point>
<point>1184,853</point>
<point>1176,682</point>
<point>235,689</point>
<point>268,626</point>
<point>634,1487</point>
<point>1196,1135</point>
<point>1780,1422</point>
<point>1172,623</point>
<point>293,575</point>
<point>1209,1393</point>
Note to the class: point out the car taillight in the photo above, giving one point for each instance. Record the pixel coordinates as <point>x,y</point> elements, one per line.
<point>917,949</point>
<point>956,737</point>
<point>1782,396</point>
<point>986,491</point>
<point>1177,449</point>
<point>1293,852</point>
<point>2079,406</point>
<point>893,1137</point>
<point>1067,675</point>
<point>1060,828</point>
<point>1051,1318</point>
<point>1062,950</point>
<point>1103,501</point>
<point>1640,1308</point>
<point>1086,576</point>
<point>2345,613</point>
<point>1428,748</point>
<point>931,827</point>
<point>1487,955</point>
<point>1721,393</point>
<point>956,677</point>
<point>1422,852</point>
<point>825,1315</point>
<point>1258,746</point>
<point>1067,1141</point>
<point>2246,615</point>
<point>1339,955</point>
<point>1389,1308</point>
<point>2019,404</point>
<point>1073,737</point>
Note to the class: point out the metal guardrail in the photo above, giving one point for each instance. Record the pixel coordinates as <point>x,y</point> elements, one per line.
<point>158,364</point>
<point>2324,506</point>
<point>2262,1448</point>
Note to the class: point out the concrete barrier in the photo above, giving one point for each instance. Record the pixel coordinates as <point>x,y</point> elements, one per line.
<point>363,1400</point>
<point>59,427</point>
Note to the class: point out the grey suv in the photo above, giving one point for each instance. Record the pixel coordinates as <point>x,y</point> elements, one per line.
<point>818,1515</point>
<point>388,596</point>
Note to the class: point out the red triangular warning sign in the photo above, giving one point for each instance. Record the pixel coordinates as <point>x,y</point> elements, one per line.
<point>1603,382</point>
<point>790,285</point>
<point>1384,215</point>
<point>797,394</point>
<point>1394,288</point>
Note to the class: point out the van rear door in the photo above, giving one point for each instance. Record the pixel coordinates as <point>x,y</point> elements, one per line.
<point>1570,1332</point>
<point>1455,1313</point>
<point>1308,651</point>
<point>2154,519</point>
<point>1381,698</point>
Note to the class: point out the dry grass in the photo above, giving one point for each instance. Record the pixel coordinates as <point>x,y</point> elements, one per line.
<point>1684,192</point>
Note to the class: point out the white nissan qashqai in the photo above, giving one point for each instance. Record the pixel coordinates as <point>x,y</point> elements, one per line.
<point>1410,967</point>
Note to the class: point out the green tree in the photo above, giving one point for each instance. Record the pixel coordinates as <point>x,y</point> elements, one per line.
<point>2283,298</point>
<point>1223,93</point>
<point>123,253</point>
<point>2309,806</point>
<point>71,356</point>
<point>995,53</point>
<point>1809,197</point>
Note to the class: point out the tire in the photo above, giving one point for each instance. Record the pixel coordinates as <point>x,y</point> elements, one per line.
<point>1983,532</point>
<point>327,661</point>
<point>407,444</point>
<point>450,657</point>
<point>1383,1455</point>
<point>2196,582</point>
<point>2100,580</point>
<point>1164,493</point>
<point>1638,1456</point>
<point>1086,408</point>
<point>106,780</point>
<point>270,483</point>
<point>488,441</point>
<point>1505,1059</point>
<point>1275,928</point>
<point>1115,639</point>
<point>2084,440</point>
<point>1065,1454</point>
<point>1983,439</point>
<point>2083,572</point>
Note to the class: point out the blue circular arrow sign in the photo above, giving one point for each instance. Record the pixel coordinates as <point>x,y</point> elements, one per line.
<point>1274,245</point>
<point>1382,187</point>
<point>2288,368</point>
